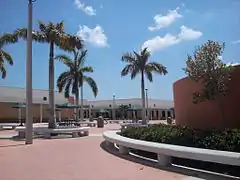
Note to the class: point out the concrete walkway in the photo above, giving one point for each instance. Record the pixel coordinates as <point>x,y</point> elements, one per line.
<point>72,159</point>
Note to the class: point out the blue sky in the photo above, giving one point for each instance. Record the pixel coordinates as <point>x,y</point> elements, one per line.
<point>171,29</point>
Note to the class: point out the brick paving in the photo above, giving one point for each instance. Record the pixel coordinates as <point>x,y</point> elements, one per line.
<point>71,159</point>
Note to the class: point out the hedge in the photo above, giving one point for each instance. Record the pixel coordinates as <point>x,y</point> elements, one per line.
<point>225,140</point>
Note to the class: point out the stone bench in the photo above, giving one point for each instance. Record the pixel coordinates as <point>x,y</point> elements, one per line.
<point>119,121</point>
<point>12,125</point>
<point>166,151</point>
<point>46,132</point>
<point>89,124</point>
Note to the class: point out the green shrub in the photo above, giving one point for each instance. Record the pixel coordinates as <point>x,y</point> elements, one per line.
<point>225,140</point>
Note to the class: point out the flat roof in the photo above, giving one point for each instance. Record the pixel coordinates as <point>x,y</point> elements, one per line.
<point>18,95</point>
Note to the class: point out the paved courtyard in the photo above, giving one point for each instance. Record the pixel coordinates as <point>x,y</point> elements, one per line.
<point>71,159</point>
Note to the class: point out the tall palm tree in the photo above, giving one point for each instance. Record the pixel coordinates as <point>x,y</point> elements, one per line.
<point>53,34</point>
<point>4,56</point>
<point>138,63</point>
<point>74,77</point>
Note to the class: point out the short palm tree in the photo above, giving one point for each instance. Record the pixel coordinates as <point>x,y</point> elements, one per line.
<point>138,63</point>
<point>74,77</point>
<point>4,56</point>
<point>53,34</point>
<point>123,108</point>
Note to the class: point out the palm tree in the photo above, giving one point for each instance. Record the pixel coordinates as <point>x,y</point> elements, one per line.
<point>138,63</point>
<point>123,108</point>
<point>53,34</point>
<point>4,56</point>
<point>74,77</point>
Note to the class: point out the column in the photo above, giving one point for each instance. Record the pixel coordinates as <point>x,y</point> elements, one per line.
<point>166,114</point>
<point>159,114</point>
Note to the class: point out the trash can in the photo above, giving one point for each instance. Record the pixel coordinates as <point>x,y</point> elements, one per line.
<point>100,122</point>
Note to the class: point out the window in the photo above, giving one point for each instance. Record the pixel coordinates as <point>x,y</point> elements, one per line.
<point>110,105</point>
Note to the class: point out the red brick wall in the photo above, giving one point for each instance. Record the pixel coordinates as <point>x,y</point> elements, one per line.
<point>207,114</point>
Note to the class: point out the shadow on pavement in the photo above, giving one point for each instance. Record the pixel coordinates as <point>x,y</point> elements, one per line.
<point>207,176</point>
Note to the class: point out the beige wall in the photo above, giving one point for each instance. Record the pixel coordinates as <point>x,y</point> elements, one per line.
<point>9,114</point>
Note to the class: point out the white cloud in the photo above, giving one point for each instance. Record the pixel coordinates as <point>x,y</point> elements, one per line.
<point>158,42</point>
<point>220,58</point>
<point>232,64</point>
<point>188,34</point>
<point>162,21</point>
<point>236,42</point>
<point>95,36</point>
<point>87,9</point>
<point>101,6</point>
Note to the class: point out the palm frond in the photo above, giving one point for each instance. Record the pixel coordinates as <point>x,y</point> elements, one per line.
<point>134,72</point>
<point>145,54</point>
<point>8,38</point>
<point>65,60</point>
<point>3,70</point>
<point>93,85</point>
<point>36,35</point>
<point>127,69</point>
<point>156,67</point>
<point>129,58</point>
<point>81,57</point>
<point>60,27</point>
<point>87,69</point>
<point>63,79</point>
<point>149,75</point>
<point>42,27</point>
<point>6,57</point>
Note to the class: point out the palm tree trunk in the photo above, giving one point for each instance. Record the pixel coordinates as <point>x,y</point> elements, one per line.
<point>143,99</point>
<point>82,113</point>
<point>77,103</point>
<point>52,116</point>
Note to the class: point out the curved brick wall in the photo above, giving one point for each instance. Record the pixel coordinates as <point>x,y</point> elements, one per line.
<point>206,115</point>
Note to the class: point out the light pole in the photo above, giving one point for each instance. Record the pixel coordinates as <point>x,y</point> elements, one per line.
<point>29,118</point>
<point>147,119</point>
<point>113,108</point>
<point>41,109</point>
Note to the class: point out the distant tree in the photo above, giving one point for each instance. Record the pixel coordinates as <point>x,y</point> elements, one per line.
<point>123,108</point>
<point>207,68</point>
<point>74,77</point>
<point>139,63</point>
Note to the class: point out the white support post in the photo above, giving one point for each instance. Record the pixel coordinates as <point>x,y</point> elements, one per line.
<point>19,115</point>
<point>123,150</point>
<point>166,114</point>
<point>41,113</point>
<point>164,160</point>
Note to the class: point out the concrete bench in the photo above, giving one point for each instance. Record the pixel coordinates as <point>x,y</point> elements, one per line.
<point>12,125</point>
<point>90,124</point>
<point>46,132</point>
<point>119,121</point>
<point>166,151</point>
